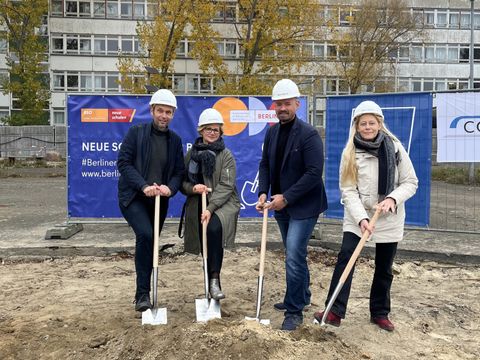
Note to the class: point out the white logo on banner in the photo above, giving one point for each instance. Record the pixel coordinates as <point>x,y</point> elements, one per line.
<point>458,127</point>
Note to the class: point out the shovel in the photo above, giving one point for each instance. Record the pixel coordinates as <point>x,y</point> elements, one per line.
<point>206,309</point>
<point>263,248</point>
<point>349,266</point>
<point>155,316</point>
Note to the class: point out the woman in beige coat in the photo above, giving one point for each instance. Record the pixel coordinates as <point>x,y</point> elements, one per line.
<point>210,164</point>
<point>375,169</point>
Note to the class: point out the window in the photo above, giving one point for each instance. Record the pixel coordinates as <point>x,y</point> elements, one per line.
<point>465,20</point>
<point>454,20</point>
<point>179,84</point>
<point>476,54</point>
<point>4,113</point>
<point>72,44</point>
<point>344,17</point>
<point>220,48</point>
<point>428,85</point>
<point>429,18</point>
<point>112,9</point>
<point>112,82</point>
<point>58,82</point>
<point>99,82</point>
<point>86,83</point>
<point>331,86</point>
<point>57,8</point>
<point>440,85</point>
<point>230,49</point>
<point>403,85</point>
<point>57,45</point>
<point>452,84</point>
<point>319,50</point>
<point>331,51</point>
<point>403,53</point>
<point>429,54</point>
<point>332,16</point>
<point>205,85</point>
<point>72,82</point>
<point>84,8</point>
<point>127,45</point>
<point>112,45</point>
<point>71,8</point>
<point>464,53</point>
<point>58,117</point>
<point>452,53</point>
<point>192,81</point>
<point>85,45</point>
<point>343,87</point>
<point>99,9</point>
<point>463,84</point>
<point>99,45</point>
<point>126,9</point>
<point>180,51</point>
<point>441,53</point>
<point>139,9</point>
<point>441,19</point>
<point>3,77</point>
<point>476,21</point>
<point>417,54</point>
<point>417,85</point>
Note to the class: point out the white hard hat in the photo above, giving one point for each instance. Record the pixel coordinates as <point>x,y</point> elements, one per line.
<point>210,116</point>
<point>285,89</point>
<point>164,97</point>
<point>367,107</point>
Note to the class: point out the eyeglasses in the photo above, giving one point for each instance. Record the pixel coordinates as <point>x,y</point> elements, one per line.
<point>211,131</point>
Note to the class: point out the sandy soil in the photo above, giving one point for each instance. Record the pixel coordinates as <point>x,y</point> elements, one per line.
<point>81,308</point>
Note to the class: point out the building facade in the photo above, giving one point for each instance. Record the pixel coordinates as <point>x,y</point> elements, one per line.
<point>86,37</point>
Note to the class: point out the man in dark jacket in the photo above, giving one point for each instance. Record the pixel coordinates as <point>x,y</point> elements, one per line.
<point>151,163</point>
<point>291,169</point>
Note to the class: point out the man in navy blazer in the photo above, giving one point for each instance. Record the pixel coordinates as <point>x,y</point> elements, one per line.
<point>151,163</point>
<point>291,171</point>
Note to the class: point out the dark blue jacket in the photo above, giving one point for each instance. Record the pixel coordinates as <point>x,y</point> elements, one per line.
<point>134,161</point>
<point>302,167</point>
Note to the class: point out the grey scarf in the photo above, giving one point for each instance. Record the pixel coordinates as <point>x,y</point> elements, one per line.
<point>383,148</point>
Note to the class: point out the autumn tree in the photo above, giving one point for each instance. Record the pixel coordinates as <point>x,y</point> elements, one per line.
<point>270,35</point>
<point>26,59</point>
<point>377,29</point>
<point>159,39</point>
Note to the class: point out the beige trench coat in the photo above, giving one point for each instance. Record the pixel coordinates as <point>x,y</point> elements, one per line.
<point>359,201</point>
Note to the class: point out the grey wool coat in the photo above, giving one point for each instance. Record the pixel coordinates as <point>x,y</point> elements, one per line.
<point>223,201</point>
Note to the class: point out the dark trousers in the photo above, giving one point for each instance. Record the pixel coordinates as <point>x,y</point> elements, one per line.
<point>382,278</point>
<point>214,245</point>
<point>140,215</point>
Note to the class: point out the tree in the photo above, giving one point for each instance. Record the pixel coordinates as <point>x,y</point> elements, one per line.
<point>377,29</point>
<point>270,35</point>
<point>26,59</point>
<point>159,39</point>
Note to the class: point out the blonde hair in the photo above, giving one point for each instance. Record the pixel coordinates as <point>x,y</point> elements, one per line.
<point>200,128</point>
<point>348,164</point>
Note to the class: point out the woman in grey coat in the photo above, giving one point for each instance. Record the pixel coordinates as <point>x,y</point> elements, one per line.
<point>210,165</point>
<point>375,170</point>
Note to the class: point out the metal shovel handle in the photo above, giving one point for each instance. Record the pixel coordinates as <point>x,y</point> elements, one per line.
<point>350,264</point>
<point>204,245</point>
<point>156,231</point>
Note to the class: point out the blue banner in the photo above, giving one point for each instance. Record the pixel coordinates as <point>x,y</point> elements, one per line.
<point>409,117</point>
<point>97,125</point>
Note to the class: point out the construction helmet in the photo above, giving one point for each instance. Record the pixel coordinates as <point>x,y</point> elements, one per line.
<point>285,89</point>
<point>210,116</point>
<point>164,97</point>
<point>367,107</point>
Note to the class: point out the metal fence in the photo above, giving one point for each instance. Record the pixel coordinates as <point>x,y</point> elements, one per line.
<point>453,207</point>
<point>23,142</point>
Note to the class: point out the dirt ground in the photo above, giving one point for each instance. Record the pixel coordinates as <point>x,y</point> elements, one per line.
<point>81,308</point>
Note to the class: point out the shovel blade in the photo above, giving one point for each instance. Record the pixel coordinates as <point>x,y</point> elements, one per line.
<point>154,316</point>
<point>261,321</point>
<point>207,309</point>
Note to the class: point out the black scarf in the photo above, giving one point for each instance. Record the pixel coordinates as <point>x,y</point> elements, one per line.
<point>202,159</point>
<point>383,148</point>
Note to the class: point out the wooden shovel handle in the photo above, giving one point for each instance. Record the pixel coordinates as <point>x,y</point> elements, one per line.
<point>156,231</point>
<point>263,244</point>
<point>359,247</point>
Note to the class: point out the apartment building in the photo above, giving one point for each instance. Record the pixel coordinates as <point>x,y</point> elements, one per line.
<point>86,36</point>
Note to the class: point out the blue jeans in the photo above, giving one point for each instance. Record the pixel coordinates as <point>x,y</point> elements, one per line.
<point>295,236</point>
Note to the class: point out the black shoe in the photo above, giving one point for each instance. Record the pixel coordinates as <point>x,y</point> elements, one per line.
<point>281,307</point>
<point>292,322</point>
<point>142,303</point>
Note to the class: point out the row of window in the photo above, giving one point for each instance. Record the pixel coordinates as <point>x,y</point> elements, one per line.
<point>200,84</point>
<point>229,48</point>
<point>228,12</point>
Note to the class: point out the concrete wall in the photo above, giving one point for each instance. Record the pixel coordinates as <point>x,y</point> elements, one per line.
<point>32,141</point>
